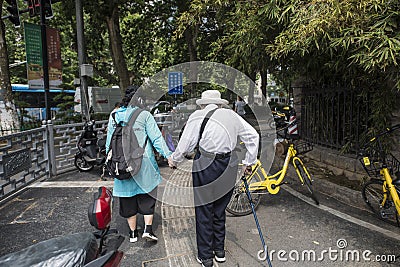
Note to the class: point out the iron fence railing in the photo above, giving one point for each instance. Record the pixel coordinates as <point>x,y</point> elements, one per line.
<point>334,117</point>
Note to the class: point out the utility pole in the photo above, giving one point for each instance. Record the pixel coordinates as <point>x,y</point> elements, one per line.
<point>45,62</point>
<point>82,59</point>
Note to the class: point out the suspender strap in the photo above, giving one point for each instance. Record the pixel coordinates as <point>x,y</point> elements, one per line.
<point>203,125</point>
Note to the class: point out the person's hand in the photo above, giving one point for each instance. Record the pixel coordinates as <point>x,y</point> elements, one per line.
<point>246,169</point>
<point>171,163</point>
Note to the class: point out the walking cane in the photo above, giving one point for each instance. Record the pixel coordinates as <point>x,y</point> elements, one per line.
<point>256,219</point>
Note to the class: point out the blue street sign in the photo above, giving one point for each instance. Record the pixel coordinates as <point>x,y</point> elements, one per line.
<point>175,83</point>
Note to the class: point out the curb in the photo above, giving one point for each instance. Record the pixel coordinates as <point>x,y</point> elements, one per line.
<point>341,193</point>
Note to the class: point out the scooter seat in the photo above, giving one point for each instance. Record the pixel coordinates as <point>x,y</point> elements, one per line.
<point>70,250</point>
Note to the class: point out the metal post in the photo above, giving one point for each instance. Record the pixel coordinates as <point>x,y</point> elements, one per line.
<point>45,63</point>
<point>52,155</point>
<point>46,148</point>
<point>82,58</point>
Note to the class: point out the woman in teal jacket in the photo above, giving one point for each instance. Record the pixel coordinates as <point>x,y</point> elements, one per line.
<point>138,194</point>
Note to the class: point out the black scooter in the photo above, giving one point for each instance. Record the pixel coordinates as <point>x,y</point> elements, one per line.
<point>91,149</point>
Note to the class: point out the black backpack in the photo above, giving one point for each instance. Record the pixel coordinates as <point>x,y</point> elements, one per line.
<point>124,157</point>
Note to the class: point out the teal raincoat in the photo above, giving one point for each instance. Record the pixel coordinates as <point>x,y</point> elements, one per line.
<point>149,175</point>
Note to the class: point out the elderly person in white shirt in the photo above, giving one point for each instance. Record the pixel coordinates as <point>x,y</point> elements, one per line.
<point>213,132</point>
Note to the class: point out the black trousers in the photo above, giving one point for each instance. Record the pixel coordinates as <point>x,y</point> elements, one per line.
<point>213,182</point>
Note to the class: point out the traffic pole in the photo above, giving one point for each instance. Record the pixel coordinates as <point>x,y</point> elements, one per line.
<point>45,61</point>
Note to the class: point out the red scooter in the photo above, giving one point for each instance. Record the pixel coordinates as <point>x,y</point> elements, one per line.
<point>86,249</point>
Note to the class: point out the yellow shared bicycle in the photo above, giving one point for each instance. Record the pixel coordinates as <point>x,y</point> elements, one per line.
<point>381,192</point>
<point>261,183</point>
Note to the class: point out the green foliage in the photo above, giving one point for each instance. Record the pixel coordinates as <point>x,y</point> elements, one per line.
<point>66,113</point>
<point>350,39</point>
<point>352,42</point>
<point>100,116</point>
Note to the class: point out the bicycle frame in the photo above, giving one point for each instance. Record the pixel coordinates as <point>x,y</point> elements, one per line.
<point>272,183</point>
<point>384,171</point>
<point>259,182</point>
<point>388,183</point>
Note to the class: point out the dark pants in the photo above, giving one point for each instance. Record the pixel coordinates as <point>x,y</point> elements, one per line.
<point>213,181</point>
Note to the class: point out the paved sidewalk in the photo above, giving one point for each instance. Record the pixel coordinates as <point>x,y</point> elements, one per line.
<point>59,206</point>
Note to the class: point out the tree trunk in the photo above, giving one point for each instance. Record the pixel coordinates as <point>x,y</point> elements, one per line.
<point>116,48</point>
<point>250,100</point>
<point>264,79</point>
<point>230,84</point>
<point>191,34</point>
<point>8,114</point>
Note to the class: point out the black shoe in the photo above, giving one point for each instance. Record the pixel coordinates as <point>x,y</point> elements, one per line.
<point>133,236</point>
<point>150,236</point>
<point>220,255</point>
<point>205,263</point>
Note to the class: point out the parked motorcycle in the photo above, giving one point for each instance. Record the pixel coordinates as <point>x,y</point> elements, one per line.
<point>282,117</point>
<point>91,148</point>
<point>85,249</point>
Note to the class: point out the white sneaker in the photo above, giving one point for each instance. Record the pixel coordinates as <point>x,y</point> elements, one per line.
<point>150,236</point>
<point>133,236</point>
<point>220,256</point>
<point>205,263</point>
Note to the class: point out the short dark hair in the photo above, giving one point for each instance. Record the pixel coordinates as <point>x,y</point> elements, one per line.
<point>129,93</point>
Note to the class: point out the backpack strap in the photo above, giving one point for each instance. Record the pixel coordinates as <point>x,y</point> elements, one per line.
<point>134,115</point>
<point>133,118</point>
<point>113,117</point>
<point>203,125</point>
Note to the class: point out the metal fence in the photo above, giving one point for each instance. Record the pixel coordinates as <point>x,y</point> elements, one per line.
<point>334,117</point>
<point>39,153</point>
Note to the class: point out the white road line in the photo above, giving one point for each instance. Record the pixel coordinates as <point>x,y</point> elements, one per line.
<point>343,215</point>
<point>66,184</point>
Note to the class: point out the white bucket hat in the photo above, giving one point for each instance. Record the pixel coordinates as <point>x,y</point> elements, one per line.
<point>211,97</point>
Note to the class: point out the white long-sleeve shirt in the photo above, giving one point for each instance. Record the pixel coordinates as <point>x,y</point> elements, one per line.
<point>219,136</point>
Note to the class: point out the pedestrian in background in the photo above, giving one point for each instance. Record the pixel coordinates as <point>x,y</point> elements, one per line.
<point>138,194</point>
<point>239,106</point>
<point>213,133</point>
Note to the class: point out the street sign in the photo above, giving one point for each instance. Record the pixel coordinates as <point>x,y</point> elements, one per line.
<point>54,57</point>
<point>33,46</point>
<point>175,83</point>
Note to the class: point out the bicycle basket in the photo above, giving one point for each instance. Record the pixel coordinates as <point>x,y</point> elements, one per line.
<point>303,147</point>
<point>372,164</point>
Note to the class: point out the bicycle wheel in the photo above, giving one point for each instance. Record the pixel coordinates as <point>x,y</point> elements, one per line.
<point>239,204</point>
<point>380,202</point>
<point>305,176</point>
